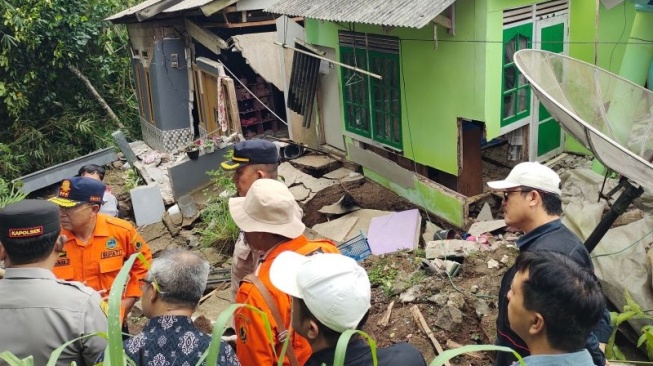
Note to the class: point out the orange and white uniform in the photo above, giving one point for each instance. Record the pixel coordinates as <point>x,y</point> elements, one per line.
<point>252,345</point>
<point>98,262</point>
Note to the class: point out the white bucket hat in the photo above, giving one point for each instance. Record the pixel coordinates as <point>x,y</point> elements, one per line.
<point>334,287</point>
<point>268,207</point>
<point>529,174</point>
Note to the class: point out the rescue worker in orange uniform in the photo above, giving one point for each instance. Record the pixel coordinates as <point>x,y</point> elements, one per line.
<point>269,218</point>
<point>97,245</point>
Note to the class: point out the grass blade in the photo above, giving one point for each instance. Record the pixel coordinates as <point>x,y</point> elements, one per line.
<point>451,353</point>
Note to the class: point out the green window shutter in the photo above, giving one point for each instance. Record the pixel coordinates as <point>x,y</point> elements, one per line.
<point>386,98</point>
<point>515,91</point>
<point>355,87</point>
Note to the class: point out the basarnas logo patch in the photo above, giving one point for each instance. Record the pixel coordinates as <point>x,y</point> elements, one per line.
<point>112,243</point>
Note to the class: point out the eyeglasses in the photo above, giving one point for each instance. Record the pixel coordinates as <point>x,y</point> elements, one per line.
<point>506,194</point>
<point>155,285</point>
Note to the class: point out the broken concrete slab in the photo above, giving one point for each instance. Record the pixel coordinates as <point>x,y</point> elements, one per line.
<point>343,206</point>
<point>485,214</point>
<point>492,264</point>
<point>451,248</point>
<point>394,232</point>
<point>147,203</point>
<point>299,192</point>
<point>288,173</point>
<point>456,299</point>
<point>482,227</point>
<point>429,231</point>
<point>214,305</point>
<point>336,230</point>
<point>449,318</point>
<point>364,217</point>
<point>316,162</point>
<point>168,222</point>
<point>411,294</point>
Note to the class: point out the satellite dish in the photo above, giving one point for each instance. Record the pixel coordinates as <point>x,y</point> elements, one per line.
<point>608,114</point>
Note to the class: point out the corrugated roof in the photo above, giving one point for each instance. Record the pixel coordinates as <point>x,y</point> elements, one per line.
<point>396,13</point>
<point>183,5</point>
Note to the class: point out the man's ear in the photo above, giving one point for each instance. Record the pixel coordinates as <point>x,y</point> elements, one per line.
<point>537,324</point>
<point>313,330</point>
<point>58,245</point>
<point>3,253</point>
<point>260,174</point>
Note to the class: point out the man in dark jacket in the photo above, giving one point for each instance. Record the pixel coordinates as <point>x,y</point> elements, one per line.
<point>531,202</point>
<point>331,294</point>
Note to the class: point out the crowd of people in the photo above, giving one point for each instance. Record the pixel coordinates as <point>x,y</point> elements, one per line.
<point>62,257</point>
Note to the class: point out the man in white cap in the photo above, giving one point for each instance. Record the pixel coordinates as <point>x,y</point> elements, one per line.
<point>531,202</point>
<point>331,294</point>
<point>268,216</point>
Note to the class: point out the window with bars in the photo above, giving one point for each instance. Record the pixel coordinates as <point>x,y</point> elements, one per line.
<point>372,106</point>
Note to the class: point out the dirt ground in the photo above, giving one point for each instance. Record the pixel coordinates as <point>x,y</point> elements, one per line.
<point>475,286</point>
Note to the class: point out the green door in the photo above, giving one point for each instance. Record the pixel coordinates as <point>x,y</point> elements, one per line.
<point>547,138</point>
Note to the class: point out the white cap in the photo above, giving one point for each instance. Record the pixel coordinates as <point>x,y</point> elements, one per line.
<point>334,287</point>
<point>268,207</point>
<point>529,174</point>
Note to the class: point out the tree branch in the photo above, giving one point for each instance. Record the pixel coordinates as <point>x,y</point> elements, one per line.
<point>96,95</point>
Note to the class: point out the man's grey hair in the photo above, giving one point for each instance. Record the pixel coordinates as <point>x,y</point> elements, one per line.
<point>180,276</point>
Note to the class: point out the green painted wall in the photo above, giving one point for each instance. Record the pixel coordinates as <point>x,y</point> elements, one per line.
<point>445,83</point>
<point>446,206</point>
<point>614,28</point>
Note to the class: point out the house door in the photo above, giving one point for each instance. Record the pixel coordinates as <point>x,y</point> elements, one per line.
<point>329,103</point>
<point>546,136</point>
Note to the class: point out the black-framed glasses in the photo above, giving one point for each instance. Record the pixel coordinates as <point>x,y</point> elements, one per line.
<point>507,193</point>
<point>154,284</point>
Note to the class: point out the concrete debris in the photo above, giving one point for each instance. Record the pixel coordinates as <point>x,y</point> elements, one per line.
<point>485,214</point>
<point>364,217</point>
<point>300,192</point>
<point>172,228</point>
<point>411,294</point>
<point>482,308</point>
<point>454,248</point>
<point>473,289</point>
<point>449,318</point>
<point>429,231</point>
<point>440,267</point>
<point>344,205</point>
<point>338,229</point>
<point>505,259</point>
<point>483,227</point>
<point>439,299</point>
<point>456,299</point>
<point>316,163</point>
<point>148,204</point>
<point>402,282</point>
<point>492,264</point>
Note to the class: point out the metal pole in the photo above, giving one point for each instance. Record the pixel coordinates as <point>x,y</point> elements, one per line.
<point>376,76</point>
<point>621,204</point>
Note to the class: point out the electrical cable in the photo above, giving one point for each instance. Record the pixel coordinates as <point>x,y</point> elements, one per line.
<point>626,248</point>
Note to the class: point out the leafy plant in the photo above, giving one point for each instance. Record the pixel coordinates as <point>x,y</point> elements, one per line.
<point>631,310</point>
<point>383,273</point>
<point>220,227</point>
<point>9,193</point>
<point>133,179</point>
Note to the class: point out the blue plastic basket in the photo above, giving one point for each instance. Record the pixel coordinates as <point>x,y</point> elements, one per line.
<point>356,247</point>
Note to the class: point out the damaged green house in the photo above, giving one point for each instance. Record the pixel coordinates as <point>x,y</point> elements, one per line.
<point>440,83</point>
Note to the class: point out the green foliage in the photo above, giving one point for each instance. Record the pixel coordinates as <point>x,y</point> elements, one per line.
<point>219,227</point>
<point>383,273</point>
<point>133,179</point>
<point>451,353</point>
<point>47,115</point>
<point>631,310</point>
<point>9,193</point>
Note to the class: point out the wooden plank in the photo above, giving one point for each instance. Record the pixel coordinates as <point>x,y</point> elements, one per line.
<point>443,21</point>
<point>215,6</point>
<point>206,38</point>
<point>419,319</point>
<point>383,322</point>
<point>232,106</point>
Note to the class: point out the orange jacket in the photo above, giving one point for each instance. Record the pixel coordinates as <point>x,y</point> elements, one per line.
<point>98,262</point>
<point>253,346</point>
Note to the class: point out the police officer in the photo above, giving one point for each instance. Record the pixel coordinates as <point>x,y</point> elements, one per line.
<point>38,313</point>
<point>97,245</point>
